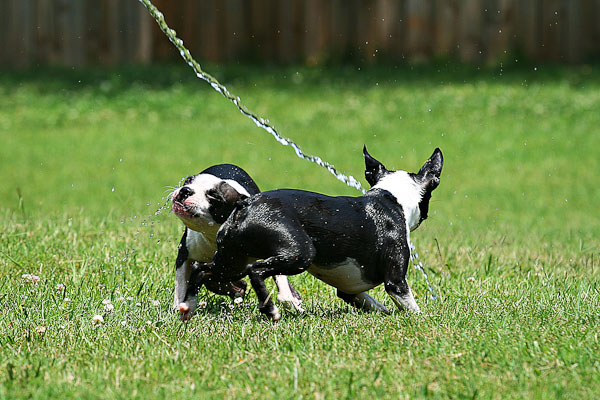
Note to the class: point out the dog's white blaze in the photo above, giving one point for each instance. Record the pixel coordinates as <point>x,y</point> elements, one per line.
<point>200,185</point>
<point>346,276</point>
<point>407,192</point>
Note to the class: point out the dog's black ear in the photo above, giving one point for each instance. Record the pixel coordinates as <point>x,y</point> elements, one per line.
<point>374,170</point>
<point>431,171</point>
<point>222,199</point>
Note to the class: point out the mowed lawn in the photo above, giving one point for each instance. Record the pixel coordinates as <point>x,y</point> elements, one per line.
<point>511,245</point>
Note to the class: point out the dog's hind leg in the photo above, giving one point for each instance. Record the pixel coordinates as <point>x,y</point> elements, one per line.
<point>395,281</point>
<point>293,262</point>
<point>362,301</point>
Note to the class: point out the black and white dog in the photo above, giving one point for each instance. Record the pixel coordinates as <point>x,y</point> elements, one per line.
<point>203,203</point>
<point>351,243</point>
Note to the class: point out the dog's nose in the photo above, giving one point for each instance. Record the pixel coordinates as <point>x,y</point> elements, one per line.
<point>184,193</point>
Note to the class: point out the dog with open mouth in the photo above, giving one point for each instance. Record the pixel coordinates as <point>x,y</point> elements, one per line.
<point>203,203</point>
<point>351,243</point>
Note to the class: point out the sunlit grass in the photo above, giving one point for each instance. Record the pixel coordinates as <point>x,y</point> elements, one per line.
<point>510,246</point>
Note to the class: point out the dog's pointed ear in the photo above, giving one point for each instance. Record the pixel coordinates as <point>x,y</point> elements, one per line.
<point>223,198</point>
<point>374,170</point>
<point>431,171</point>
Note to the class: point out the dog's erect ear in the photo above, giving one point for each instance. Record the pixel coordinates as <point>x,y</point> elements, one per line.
<point>430,172</point>
<point>222,199</point>
<point>374,170</point>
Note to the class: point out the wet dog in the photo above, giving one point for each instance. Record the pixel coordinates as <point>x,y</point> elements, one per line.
<point>351,243</point>
<point>203,203</point>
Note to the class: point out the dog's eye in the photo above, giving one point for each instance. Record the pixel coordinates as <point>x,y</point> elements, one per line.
<point>211,195</point>
<point>188,180</point>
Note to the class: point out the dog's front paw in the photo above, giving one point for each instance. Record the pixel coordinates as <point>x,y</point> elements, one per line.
<point>185,312</point>
<point>271,311</point>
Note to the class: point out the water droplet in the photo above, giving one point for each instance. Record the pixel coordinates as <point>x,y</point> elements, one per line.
<point>113,189</point>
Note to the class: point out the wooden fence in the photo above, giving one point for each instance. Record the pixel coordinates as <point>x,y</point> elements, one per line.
<point>108,32</point>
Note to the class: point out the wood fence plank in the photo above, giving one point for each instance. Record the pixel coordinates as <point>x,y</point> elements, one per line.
<point>446,26</point>
<point>386,16</point>
<point>550,43</point>
<point>145,40</point>
<point>399,32</point>
<point>235,31</point>
<point>529,30</point>
<point>45,32</point>
<point>207,19</point>
<point>315,17</point>
<point>470,22</point>
<point>78,32</point>
<point>20,32</point>
<point>574,29</point>
<point>419,29</point>
<point>5,46</point>
<point>340,35</point>
<point>500,30</point>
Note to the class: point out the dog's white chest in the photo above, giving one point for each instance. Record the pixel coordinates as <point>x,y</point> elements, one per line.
<point>199,247</point>
<point>347,276</point>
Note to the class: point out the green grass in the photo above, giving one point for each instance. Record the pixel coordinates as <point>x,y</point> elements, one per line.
<point>511,245</point>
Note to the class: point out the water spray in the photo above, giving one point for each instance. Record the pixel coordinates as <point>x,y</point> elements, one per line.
<point>260,122</point>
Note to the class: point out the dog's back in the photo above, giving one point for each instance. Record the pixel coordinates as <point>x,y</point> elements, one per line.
<point>338,227</point>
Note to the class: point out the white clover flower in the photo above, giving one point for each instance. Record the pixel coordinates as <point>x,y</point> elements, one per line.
<point>40,329</point>
<point>97,320</point>
<point>129,298</point>
<point>30,278</point>
<point>148,323</point>
<point>101,286</point>
<point>155,303</point>
<point>138,304</point>
<point>109,307</point>
<point>124,323</point>
<point>60,286</point>
<point>471,279</point>
<point>66,299</point>
<point>202,304</point>
<point>238,300</point>
<point>106,301</point>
